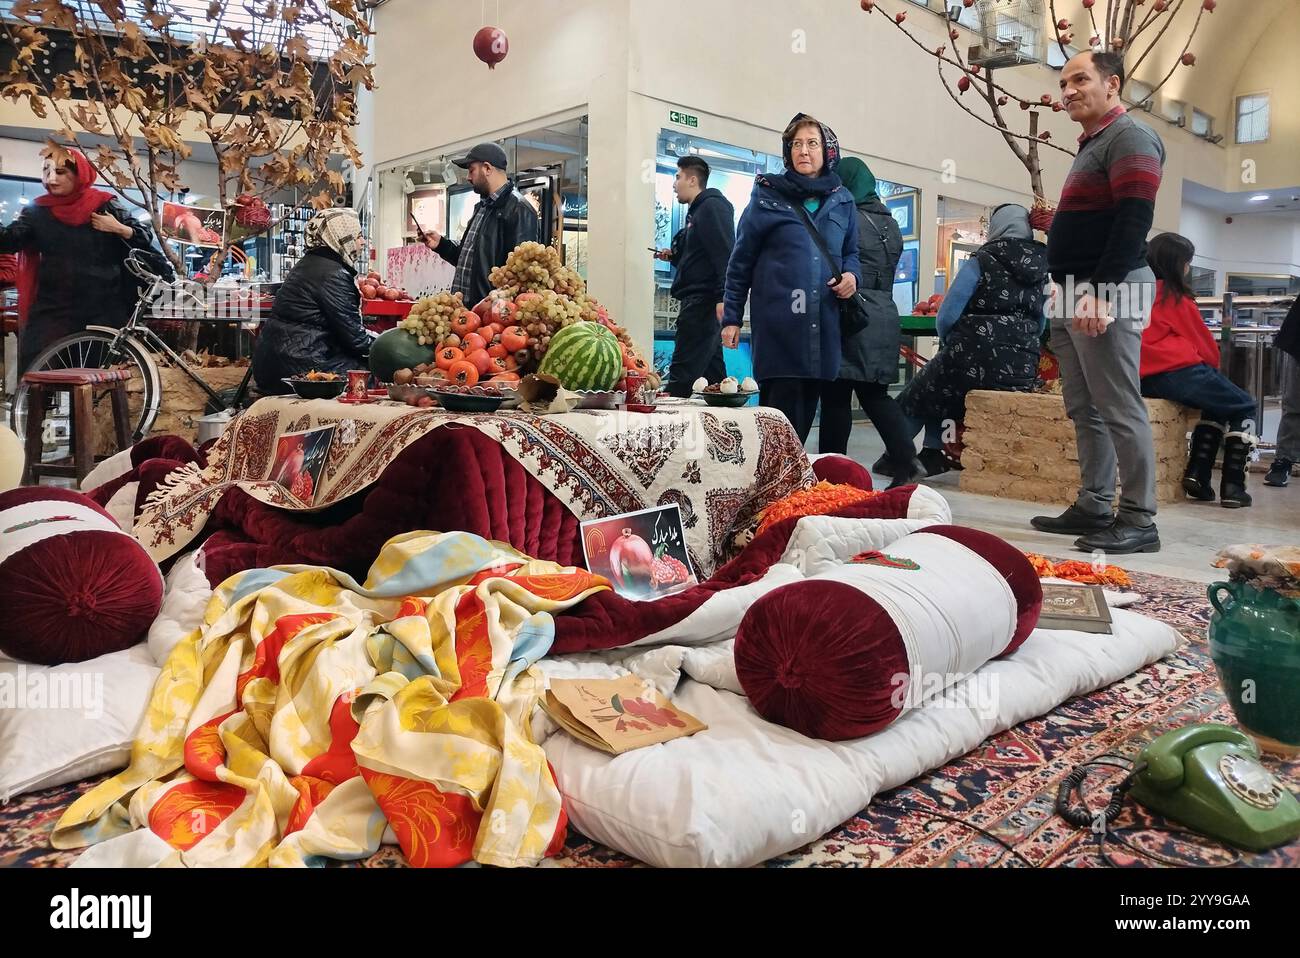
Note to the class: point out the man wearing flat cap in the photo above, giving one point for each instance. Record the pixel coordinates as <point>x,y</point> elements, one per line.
<point>502,220</point>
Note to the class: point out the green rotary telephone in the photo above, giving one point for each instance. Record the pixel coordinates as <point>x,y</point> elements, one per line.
<point>1208,777</point>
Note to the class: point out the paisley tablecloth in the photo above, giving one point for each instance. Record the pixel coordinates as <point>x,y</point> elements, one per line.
<point>720,466</point>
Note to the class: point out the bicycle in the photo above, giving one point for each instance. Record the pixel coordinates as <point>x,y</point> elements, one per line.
<point>132,347</point>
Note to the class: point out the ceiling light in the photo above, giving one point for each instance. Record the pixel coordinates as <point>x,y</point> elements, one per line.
<point>23,201</point>
<point>1259,198</point>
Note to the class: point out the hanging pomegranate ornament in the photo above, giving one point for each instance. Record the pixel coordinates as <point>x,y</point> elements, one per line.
<point>491,46</point>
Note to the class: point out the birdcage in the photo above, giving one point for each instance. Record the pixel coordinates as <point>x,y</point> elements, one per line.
<point>1011,33</point>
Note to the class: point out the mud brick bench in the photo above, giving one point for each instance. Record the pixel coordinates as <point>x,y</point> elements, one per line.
<point>1021,446</point>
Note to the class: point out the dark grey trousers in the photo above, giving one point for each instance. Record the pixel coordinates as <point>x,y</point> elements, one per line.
<point>1288,431</point>
<point>1103,397</point>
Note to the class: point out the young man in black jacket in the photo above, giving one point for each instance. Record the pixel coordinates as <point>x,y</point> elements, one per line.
<point>501,221</point>
<point>700,253</point>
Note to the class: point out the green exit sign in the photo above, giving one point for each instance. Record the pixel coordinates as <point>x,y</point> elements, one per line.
<point>685,119</point>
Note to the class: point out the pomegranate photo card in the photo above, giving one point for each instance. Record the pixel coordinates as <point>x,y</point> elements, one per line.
<point>642,554</point>
<point>300,459</point>
<point>616,715</point>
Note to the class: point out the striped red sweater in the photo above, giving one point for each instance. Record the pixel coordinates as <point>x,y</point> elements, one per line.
<point>1099,233</point>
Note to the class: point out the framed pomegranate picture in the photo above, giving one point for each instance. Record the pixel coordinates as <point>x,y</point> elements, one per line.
<point>642,554</point>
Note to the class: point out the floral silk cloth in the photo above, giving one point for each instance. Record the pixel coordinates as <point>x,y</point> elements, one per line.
<point>310,714</point>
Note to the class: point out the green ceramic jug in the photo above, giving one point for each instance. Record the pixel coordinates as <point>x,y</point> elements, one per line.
<point>1255,644</point>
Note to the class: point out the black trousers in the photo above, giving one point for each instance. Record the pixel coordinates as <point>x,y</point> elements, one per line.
<point>698,348</point>
<point>885,414</point>
<point>796,398</point>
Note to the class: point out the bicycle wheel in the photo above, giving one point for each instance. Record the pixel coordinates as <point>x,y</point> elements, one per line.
<point>94,349</point>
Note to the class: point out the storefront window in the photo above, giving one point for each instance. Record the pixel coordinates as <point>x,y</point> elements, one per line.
<point>732,172</point>
<point>15,193</point>
<point>549,167</point>
<point>963,228</point>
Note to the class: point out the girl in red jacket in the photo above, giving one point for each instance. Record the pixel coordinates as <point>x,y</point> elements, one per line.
<point>1180,362</point>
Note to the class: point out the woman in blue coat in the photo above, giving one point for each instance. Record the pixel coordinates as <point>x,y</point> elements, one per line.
<point>793,294</point>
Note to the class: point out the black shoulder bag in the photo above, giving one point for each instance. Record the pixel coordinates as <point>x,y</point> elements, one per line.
<point>853,311</point>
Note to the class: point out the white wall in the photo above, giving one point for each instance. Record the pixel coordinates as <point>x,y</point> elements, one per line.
<point>1253,243</point>
<point>23,158</point>
<point>20,157</point>
<point>744,67</point>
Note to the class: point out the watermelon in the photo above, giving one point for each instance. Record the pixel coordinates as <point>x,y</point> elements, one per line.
<point>584,356</point>
<point>394,350</point>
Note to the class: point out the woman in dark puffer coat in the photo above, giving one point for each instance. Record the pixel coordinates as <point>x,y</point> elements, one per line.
<point>870,363</point>
<point>315,323</point>
<point>990,327</point>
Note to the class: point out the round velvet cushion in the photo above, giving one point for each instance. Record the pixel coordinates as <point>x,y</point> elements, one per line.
<point>1013,565</point>
<point>843,471</point>
<point>73,586</point>
<point>823,659</point>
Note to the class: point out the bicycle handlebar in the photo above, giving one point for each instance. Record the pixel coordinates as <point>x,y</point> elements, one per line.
<point>138,268</point>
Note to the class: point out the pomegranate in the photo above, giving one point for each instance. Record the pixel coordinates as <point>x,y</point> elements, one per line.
<point>1189,59</point>
<point>491,46</point>
<point>630,560</point>
<point>391,294</point>
<point>1209,5</point>
<point>369,290</point>
<point>668,571</point>
<point>900,16</point>
<point>963,84</point>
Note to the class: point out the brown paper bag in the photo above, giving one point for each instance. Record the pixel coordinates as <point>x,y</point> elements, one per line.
<point>616,715</point>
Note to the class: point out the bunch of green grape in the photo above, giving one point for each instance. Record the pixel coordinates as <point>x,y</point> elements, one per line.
<point>430,319</point>
<point>530,267</point>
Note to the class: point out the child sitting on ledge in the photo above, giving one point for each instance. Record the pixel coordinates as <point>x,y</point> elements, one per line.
<point>1180,362</point>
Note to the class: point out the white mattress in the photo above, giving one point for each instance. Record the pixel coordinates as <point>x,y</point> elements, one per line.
<point>746,790</point>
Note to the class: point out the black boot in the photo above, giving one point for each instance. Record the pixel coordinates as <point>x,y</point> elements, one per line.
<point>1232,487</point>
<point>1197,480</point>
<point>908,474</point>
<point>1073,522</point>
<point>884,466</point>
<point>936,462</point>
<point>1279,474</point>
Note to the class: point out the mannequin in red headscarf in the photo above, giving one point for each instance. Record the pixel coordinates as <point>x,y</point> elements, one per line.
<point>71,243</point>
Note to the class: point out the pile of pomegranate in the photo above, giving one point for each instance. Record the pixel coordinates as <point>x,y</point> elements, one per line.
<point>372,287</point>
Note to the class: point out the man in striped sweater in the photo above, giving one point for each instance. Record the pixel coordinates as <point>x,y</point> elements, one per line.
<point>1096,250</point>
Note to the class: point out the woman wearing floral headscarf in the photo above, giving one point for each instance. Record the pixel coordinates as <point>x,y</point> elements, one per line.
<point>71,243</point>
<point>793,294</point>
<point>315,323</point>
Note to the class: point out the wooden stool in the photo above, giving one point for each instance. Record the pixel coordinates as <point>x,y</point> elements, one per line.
<point>80,383</point>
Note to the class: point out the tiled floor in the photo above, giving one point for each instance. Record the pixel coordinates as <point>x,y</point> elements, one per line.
<point>1190,533</point>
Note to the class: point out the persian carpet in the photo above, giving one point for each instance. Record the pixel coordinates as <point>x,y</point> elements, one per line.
<point>1006,786</point>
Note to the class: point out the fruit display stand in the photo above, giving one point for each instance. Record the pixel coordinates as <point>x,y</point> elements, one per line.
<point>381,315</point>
<point>512,476</point>
<point>914,326</point>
